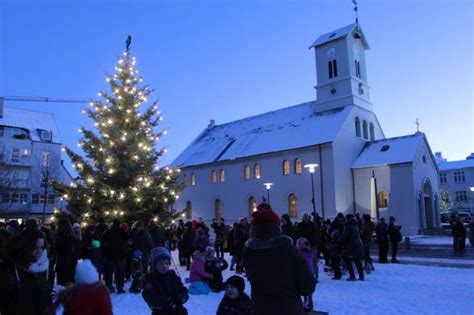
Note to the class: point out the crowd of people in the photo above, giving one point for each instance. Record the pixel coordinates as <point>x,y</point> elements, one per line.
<point>44,266</point>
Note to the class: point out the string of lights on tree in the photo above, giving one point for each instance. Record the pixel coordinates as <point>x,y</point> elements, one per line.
<point>119,175</point>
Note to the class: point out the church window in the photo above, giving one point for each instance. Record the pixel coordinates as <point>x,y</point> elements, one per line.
<point>382,199</point>
<point>298,166</point>
<point>459,177</point>
<point>442,178</point>
<point>256,171</point>
<point>357,126</point>
<point>357,68</point>
<point>252,205</point>
<point>334,67</point>
<point>293,206</point>
<point>222,176</point>
<point>185,180</point>
<point>193,180</point>
<point>286,167</point>
<point>189,210</point>
<point>213,177</point>
<point>364,130</point>
<point>424,159</point>
<point>330,69</point>
<point>218,209</point>
<point>247,172</point>
<point>372,132</point>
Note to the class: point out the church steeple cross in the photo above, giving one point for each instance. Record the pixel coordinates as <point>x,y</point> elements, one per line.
<point>417,123</point>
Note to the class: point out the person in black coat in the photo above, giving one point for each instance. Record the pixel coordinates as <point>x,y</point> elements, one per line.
<point>114,249</point>
<point>310,231</point>
<point>353,249</point>
<point>189,236</point>
<point>277,271</point>
<point>395,237</point>
<point>65,253</point>
<point>287,227</point>
<point>163,290</point>
<point>215,266</point>
<point>220,230</point>
<point>381,233</point>
<point>156,234</point>
<point>235,301</point>
<point>240,237</point>
<point>459,235</point>
<point>366,231</point>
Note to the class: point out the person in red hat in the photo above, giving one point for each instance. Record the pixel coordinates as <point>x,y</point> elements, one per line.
<point>277,271</point>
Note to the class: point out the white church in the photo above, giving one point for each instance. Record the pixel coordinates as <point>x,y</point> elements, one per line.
<point>358,169</point>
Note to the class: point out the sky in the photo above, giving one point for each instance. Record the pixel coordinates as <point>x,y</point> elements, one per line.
<point>226,60</point>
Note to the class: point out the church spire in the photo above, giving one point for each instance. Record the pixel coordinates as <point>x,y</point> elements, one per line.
<point>356,8</point>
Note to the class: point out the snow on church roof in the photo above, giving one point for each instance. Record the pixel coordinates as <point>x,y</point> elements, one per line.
<point>389,151</point>
<point>339,33</point>
<point>454,165</point>
<point>288,128</point>
<point>30,120</point>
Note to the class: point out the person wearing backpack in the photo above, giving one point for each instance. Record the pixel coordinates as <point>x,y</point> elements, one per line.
<point>395,237</point>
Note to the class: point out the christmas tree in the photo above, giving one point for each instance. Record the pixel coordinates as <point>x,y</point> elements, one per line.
<point>119,176</point>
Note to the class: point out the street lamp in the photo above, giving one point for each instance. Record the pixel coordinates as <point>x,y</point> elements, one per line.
<point>376,195</point>
<point>267,187</point>
<point>312,168</point>
<point>470,199</point>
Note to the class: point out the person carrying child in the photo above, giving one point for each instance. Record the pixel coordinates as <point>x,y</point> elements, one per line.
<point>235,300</point>
<point>215,266</point>
<point>163,290</point>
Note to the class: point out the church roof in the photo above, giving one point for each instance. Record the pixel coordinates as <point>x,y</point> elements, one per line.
<point>284,129</point>
<point>389,151</point>
<point>454,165</point>
<point>30,120</point>
<point>340,33</point>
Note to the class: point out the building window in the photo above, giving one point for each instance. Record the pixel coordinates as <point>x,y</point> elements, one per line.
<point>442,178</point>
<point>293,206</point>
<point>193,180</point>
<point>218,209</point>
<point>334,67</point>
<point>365,130</point>
<point>189,210</point>
<point>23,198</point>
<point>461,196</point>
<point>372,132</point>
<point>51,199</point>
<point>382,199</point>
<point>357,68</point>
<point>357,126</point>
<point>256,171</point>
<point>213,177</point>
<point>286,167</point>
<point>330,69</point>
<point>35,198</point>
<point>247,172</point>
<point>5,198</point>
<point>459,177</point>
<point>222,176</point>
<point>298,166</point>
<point>185,180</point>
<point>15,155</point>
<point>252,204</point>
<point>14,198</point>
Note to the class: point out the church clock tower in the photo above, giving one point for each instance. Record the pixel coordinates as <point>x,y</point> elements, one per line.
<point>341,69</point>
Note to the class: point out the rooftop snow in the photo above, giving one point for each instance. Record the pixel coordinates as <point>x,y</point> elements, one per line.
<point>288,128</point>
<point>399,150</point>
<point>339,33</point>
<point>454,165</point>
<point>30,120</point>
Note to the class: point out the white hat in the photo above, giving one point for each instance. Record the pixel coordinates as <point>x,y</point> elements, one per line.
<point>86,272</point>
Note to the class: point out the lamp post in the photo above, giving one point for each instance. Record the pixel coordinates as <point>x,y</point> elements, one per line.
<point>470,199</point>
<point>267,187</point>
<point>376,195</point>
<point>312,169</point>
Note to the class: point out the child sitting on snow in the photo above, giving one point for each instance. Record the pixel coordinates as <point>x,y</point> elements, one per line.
<point>235,301</point>
<point>215,266</point>
<point>198,275</point>
<point>163,291</point>
<point>304,247</point>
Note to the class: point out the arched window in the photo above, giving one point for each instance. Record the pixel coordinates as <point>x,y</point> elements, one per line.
<point>357,68</point>
<point>189,210</point>
<point>357,126</point>
<point>185,180</point>
<point>222,176</point>
<point>382,199</point>
<point>330,69</point>
<point>247,172</point>
<point>365,130</point>
<point>218,209</point>
<point>298,166</point>
<point>372,132</point>
<point>286,167</point>
<point>252,205</point>
<point>256,171</point>
<point>213,176</point>
<point>292,206</point>
<point>193,180</point>
<point>334,67</point>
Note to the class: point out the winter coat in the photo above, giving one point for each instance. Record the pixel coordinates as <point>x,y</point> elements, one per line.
<point>189,236</point>
<point>289,230</point>
<point>220,230</point>
<point>157,236</point>
<point>308,257</point>
<point>394,233</point>
<point>307,230</point>
<point>95,256</point>
<point>25,292</point>
<point>381,231</point>
<point>198,272</point>
<point>240,237</point>
<point>165,292</point>
<point>91,299</point>
<point>458,230</point>
<point>277,272</point>
<point>238,306</point>
<point>366,231</point>
<point>350,240</point>
<point>215,267</point>
<point>114,243</point>
<point>143,242</point>
<point>66,260</point>
<point>335,248</point>
<point>201,242</point>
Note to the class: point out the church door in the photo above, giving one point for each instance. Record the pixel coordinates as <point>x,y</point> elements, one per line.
<point>428,204</point>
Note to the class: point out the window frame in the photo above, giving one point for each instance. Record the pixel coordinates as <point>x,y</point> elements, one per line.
<point>256,171</point>
<point>292,205</point>
<point>286,167</point>
<point>298,166</point>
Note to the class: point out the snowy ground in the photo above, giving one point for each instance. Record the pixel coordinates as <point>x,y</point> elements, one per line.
<point>432,240</point>
<point>391,289</point>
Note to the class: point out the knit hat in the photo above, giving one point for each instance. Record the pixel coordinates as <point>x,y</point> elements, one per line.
<point>265,214</point>
<point>302,242</point>
<point>86,273</point>
<point>95,244</point>
<point>160,253</point>
<point>236,281</point>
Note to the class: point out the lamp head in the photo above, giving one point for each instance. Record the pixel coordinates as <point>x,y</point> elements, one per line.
<point>268,185</point>
<point>311,167</point>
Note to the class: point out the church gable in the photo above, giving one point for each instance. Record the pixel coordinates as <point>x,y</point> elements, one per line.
<point>353,28</point>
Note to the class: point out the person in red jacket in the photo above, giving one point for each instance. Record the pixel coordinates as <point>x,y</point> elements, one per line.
<point>88,296</point>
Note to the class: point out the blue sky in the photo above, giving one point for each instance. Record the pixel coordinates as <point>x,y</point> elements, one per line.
<point>227,60</point>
